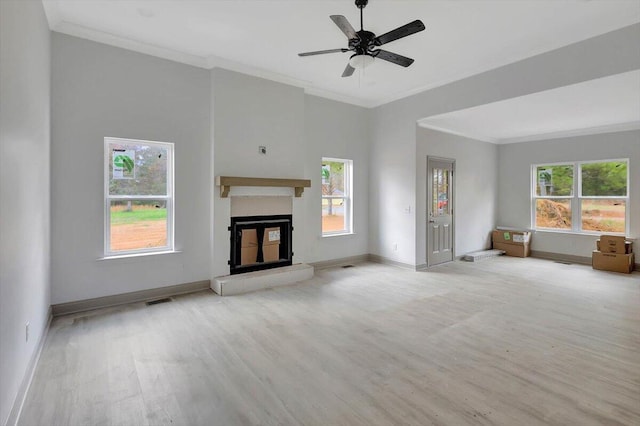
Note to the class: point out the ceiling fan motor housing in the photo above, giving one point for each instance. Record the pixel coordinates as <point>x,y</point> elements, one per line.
<point>360,4</point>
<point>364,44</point>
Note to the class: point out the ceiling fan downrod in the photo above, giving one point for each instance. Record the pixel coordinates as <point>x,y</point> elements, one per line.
<point>361,4</point>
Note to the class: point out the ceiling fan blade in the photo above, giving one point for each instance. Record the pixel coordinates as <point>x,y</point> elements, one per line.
<point>322,52</point>
<point>403,61</point>
<point>348,71</point>
<point>345,26</point>
<point>403,31</point>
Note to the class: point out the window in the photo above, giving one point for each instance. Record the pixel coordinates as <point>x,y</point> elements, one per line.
<point>581,196</point>
<point>138,196</point>
<point>336,196</point>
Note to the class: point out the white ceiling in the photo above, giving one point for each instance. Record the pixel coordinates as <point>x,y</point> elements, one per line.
<point>597,106</point>
<point>263,37</point>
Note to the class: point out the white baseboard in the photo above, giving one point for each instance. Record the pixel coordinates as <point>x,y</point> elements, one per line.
<point>582,260</point>
<point>18,403</point>
<point>122,299</point>
<point>340,262</point>
<point>386,261</point>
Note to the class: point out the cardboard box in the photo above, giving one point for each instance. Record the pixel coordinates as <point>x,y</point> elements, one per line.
<point>515,250</point>
<point>513,243</point>
<point>614,244</point>
<point>249,238</point>
<point>614,262</point>
<point>271,253</point>
<point>271,236</point>
<point>511,237</point>
<point>271,244</point>
<point>248,255</point>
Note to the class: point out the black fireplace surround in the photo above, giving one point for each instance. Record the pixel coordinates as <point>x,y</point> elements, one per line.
<point>260,242</point>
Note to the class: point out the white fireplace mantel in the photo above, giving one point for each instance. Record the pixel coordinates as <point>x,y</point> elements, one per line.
<point>226,182</point>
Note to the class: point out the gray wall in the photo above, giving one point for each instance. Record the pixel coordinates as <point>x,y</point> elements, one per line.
<point>217,119</point>
<point>393,139</point>
<point>25,64</point>
<point>514,187</point>
<point>298,130</point>
<point>337,130</point>
<point>100,91</point>
<point>250,112</point>
<point>475,191</point>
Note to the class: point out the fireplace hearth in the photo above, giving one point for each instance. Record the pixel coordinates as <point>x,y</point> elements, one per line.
<point>260,242</point>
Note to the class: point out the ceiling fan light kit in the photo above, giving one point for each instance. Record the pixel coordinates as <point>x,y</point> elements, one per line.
<point>365,44</point>
<point>361,61</point>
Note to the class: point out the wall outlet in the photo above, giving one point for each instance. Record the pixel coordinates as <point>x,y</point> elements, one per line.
<point>26,332</point>
<point>262,150</point>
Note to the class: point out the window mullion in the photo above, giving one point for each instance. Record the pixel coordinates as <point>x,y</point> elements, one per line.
<point>576,202</point>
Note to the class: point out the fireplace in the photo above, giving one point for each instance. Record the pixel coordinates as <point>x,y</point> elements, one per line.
<point>260,242</point>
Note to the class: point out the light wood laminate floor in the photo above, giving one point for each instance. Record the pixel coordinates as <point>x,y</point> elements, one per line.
<point>505,341</point>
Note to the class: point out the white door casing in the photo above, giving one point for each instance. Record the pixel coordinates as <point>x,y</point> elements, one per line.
<point>440,224</point>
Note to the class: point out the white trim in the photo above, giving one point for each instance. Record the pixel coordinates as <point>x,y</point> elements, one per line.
<point>607,128</point>
<point>58,25</point>
<point>139,254</point>
<point>126,298</point>
<point>424,125</point>
<point>169,198</point>
<point>21,397</point>
<point>375,258</point>
<point>327,94</point>
<point>347,196</point>
<point>576,198</point>
<point>336,234</point>
<point>103,37</point>
<point>332,263</point>
<point>452,206</point>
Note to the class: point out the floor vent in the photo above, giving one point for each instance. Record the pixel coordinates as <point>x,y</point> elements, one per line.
<point>561,262</point>
<point>347,266</point>
<point>155,302</point>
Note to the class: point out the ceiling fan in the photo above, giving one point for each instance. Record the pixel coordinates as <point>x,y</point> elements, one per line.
<point>365,43</point>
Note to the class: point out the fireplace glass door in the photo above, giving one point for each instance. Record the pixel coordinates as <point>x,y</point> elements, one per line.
<point>260,242</point>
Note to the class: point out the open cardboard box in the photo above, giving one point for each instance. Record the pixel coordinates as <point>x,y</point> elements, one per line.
<point>513,243</point>
<point>614,244</point>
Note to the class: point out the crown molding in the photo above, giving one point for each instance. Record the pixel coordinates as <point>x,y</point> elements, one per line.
<point>338,97</point>
<point>456,133</point>
<point>209,62</point>
<point>607,128</point>
<point>80,31</point>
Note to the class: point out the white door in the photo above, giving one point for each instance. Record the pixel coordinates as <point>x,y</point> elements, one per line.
<point>439,210</point>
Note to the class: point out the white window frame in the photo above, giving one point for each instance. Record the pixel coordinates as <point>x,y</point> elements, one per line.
<point>168,198</point>
<point>347,197</point>
<point>577,197</point>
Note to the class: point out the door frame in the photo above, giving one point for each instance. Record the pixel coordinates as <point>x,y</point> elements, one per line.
<point>452,187</point>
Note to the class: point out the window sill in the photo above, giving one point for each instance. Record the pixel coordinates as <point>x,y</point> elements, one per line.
<point>584,234</point>
<point>134,255</point>
<point>341,234</point>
